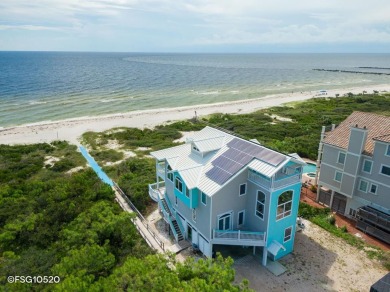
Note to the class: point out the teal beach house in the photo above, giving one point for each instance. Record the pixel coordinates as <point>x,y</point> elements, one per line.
<point>219,189</point>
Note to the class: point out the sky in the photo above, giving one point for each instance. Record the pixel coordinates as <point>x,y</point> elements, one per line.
<point>227,26</point>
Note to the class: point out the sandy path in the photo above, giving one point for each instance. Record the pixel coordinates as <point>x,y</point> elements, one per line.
<point>72,129</point>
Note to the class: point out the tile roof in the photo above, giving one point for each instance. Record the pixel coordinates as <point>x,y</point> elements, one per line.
<point>383,138</point>
<point>377,126</point>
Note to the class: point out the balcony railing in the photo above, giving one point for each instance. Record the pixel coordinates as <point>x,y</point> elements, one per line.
<point>239,237</point>
<point>282,182</point>
<point>259,179</point>
<point>156,190</point>
<point>375,217</point>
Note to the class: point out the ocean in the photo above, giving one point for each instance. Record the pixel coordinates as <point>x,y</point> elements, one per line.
<point>50,86</point>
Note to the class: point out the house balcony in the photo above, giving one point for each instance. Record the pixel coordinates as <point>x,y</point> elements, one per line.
<point>257,179</point>
<point>278,183</point>
<point>239,237</point>
<point>157,190</point>
<point>374,222</point>
<point>286,180</point>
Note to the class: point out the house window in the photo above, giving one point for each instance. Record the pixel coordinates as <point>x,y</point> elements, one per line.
<point>363,185</point>
<point>260,204</point>
<point>170,173</point>
<point>187,192</point>
<point>195,148</point>
<point>284,205</point>
<point>194,215</point>
<point>352,212</point>
<point>388,150</point>
<point>287,234</point>
<point>204,198</point>
<point>176,200</point>
<point>224,221</point>
<point>373,189</point>
<point>241,217</point>
<point>367,165</point>
<point>338,176</point>
<point>341,158</point>
<point>242,189</point>
<point>179,184</point>
<point>385,170</point>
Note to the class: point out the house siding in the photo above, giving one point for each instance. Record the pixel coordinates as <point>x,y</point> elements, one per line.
<point>357,140</point>
<point>351,164</point>
<point>253,222</point>
<point>353,172</point>
<point>224,198</point>
<point>327,175</point>
<point>277,227</point>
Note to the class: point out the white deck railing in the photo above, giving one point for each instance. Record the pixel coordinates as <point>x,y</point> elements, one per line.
<point>286,181</point>
<point>156,189</point>
<point>258,179</point>
<point>239,237</point>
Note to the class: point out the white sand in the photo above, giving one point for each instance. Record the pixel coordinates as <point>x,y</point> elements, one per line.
<point>72,129</point>
<point>320,262</point>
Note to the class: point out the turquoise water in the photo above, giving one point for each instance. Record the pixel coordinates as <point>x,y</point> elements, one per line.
<point>43,86</point>
<point>309,168</point>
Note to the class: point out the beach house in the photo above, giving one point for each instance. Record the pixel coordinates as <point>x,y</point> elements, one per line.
<point>219,189</point>
<point>354,177</point>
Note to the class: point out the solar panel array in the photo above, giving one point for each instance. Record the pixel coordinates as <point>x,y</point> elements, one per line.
<point>239,154</point>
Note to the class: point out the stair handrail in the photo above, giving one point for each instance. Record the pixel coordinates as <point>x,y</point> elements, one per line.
<point>174,231</point>
<point>181,227</point>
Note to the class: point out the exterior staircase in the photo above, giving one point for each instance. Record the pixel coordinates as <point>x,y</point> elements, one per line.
<point>165,206</point>
<point>178,231</point>
<point>171,220</point>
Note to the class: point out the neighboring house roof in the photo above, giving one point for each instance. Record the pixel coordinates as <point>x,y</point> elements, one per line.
<point>377,126</point>
<point>226,155</point>
<point>383,138</point>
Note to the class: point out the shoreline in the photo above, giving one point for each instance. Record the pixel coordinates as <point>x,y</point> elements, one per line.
<point>72,129</point>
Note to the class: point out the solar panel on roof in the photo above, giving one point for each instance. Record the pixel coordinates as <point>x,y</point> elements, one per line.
<point>239,154</point>
<point>257,151</point>
<point>218,175</point>
<point>227,164</point>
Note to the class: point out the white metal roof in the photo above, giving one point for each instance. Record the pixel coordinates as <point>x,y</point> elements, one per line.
<point>191,176</point>
<point>263,168</point>
<point>193,167</point>
<point>209,144</point>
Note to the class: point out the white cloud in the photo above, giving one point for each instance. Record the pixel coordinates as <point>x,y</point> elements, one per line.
<point>204,22</point>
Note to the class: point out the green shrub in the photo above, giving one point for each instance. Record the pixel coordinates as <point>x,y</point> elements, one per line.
<point>331,219</point>
<point>107,155</point>
<point>307,211</point>
<point>63,165</point>
<point>344,229</point>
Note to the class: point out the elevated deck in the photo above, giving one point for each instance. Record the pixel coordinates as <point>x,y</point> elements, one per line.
<point>156,191</point>
<point>374,222</point>
<point>239,237</point>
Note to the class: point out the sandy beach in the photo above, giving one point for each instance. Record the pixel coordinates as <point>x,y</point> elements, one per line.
<point>72,129</point>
